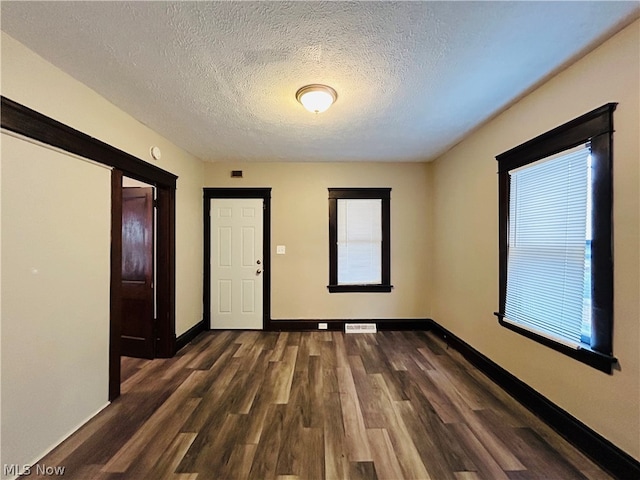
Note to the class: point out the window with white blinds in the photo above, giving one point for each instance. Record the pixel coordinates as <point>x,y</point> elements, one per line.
<point>555,243</point>
<point>359,241</point>
<point>548,284</point>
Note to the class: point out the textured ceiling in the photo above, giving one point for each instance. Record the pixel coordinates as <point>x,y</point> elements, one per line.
<point>219,78</point>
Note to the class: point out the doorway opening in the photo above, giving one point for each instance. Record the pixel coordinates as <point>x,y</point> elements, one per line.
<point>142,270</point>
<point>138,336</point>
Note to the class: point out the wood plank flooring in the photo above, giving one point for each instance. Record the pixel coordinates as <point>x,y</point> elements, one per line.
<point>315,405</point>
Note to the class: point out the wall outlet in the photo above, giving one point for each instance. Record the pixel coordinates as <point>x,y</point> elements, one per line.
<point>322,326</point>
<point>281,250</point>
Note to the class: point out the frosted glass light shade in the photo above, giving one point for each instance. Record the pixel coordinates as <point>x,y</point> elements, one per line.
<point>316,98</point>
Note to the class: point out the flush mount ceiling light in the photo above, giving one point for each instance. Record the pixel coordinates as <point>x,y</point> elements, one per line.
<point>316,98</point>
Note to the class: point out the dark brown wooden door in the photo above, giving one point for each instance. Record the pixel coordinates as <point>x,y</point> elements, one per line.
<point>138,337</point>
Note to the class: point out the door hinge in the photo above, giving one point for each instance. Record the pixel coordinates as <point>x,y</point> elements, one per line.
<point>155,203</point>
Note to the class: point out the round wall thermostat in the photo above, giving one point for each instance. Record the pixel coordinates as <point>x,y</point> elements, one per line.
<point>156,153</point>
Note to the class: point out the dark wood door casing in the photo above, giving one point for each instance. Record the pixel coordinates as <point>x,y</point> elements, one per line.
<point>115,286</point>
<point>264,193</point>
<point>166,272</point>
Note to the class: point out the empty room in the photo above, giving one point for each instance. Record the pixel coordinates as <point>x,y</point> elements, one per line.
<point>320,240</point>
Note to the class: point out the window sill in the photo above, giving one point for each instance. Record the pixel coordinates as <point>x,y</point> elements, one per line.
<point>359,288</point>
<point>583,354</point>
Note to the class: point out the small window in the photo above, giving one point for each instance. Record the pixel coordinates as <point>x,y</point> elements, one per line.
<point>359,254</point>
<point>556,269</point>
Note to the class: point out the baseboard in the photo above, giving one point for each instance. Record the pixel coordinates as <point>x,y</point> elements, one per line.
<point>609,457</point>
<point>338,324</point>
<point>189,335</point>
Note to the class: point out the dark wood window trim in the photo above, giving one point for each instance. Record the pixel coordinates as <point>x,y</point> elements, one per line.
<point>29,123</point>
<point>383,194</point>
<point>265,194</point>
<point>595,127</point>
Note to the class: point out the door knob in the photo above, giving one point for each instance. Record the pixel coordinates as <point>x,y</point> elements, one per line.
<point>258,272</point>
<point>258,262</point>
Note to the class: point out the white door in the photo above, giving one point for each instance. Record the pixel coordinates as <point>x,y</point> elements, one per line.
<point>236,263</point>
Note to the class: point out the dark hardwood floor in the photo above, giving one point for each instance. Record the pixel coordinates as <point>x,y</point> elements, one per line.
<point>315,405</point>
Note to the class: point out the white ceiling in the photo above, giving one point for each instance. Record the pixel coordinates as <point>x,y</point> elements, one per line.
<point>219,78</point>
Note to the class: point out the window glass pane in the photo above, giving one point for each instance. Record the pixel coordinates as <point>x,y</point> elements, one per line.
<point>585,333</point>
<point>548,245</point>
<point>359,241</point>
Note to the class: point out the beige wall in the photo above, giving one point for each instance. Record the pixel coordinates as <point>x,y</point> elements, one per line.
<point>55,296</point>
<point>300,219</point>
<point>465,227</point>
<point>55,323</point>
<point>31,81</point>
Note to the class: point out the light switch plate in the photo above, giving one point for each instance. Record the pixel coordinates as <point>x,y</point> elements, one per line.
<point>281,250</point>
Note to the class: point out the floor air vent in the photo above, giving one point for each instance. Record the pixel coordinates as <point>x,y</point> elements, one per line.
<point>360,328</point>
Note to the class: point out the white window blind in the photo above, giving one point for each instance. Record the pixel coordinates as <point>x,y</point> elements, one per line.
<point>359,241</point>
<point>547,244</point>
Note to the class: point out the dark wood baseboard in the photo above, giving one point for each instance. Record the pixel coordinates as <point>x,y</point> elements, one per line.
<point>595,446</point>
<point>338,324</point>
<point>190,334</point>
